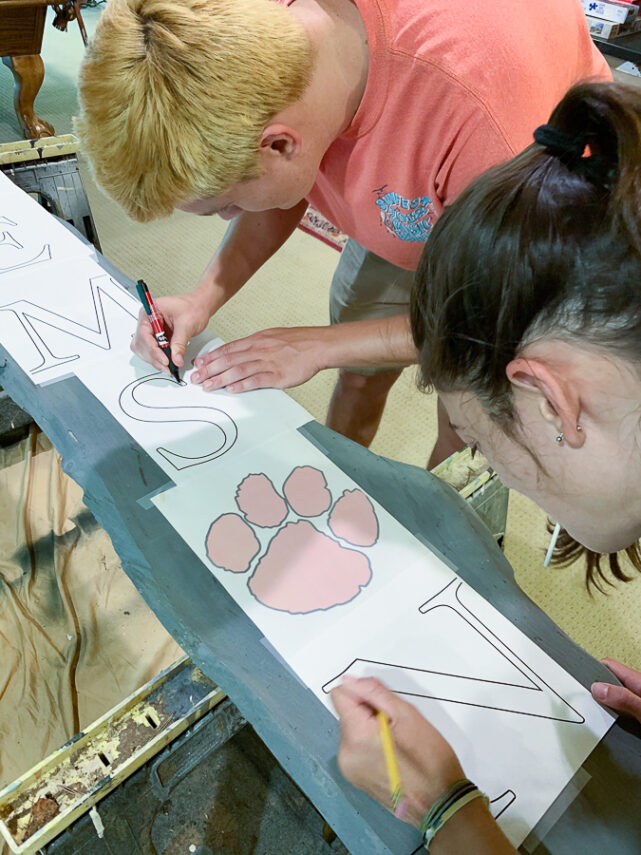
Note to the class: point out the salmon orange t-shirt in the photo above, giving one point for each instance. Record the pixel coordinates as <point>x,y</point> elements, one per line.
<point>453,88</point>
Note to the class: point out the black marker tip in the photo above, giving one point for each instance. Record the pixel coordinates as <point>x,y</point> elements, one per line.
<point>173,368</point>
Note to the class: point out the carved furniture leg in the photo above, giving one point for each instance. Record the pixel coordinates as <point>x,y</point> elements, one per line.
<point>28,74</point>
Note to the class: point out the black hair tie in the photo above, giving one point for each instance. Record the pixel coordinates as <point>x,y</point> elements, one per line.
<point>559,143</point>
<point>598,170</point>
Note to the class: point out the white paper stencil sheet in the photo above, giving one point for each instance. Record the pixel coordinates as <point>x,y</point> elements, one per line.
<point>30,238</point>
<point>55,318</point>
<point>183,428</point>
<point>519,723</point>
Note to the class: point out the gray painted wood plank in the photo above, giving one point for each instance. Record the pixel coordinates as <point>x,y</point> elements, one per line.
<point>115,473</point>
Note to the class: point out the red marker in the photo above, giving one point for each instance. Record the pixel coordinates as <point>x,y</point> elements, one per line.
<point>157,327</point>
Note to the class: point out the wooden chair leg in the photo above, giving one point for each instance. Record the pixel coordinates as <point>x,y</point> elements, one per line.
<point>28,74</point>
<point>81,23</point>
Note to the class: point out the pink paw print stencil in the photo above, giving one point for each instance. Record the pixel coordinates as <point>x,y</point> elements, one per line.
<point>306,566</point>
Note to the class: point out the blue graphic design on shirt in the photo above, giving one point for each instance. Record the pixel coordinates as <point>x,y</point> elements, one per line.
<point>409,220</point>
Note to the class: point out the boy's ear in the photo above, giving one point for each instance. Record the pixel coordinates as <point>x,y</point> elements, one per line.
<point>558,399</point>
<point>280,141</point>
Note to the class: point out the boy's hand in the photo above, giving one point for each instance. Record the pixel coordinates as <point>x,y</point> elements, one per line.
<point>427,764</point>
<point>183,316</point>
<point>276,358</point>
<point>625,698</point>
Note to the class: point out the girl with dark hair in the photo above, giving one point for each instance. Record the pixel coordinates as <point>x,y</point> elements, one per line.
<point>526,313</point>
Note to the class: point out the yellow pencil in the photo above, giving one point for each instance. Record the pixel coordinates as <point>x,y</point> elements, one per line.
<point>390,759</point>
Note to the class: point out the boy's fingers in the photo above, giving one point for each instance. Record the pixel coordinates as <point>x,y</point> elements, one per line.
<point>178,349</point>
<point>179,340</point>
<point>618,698</point>
<point>144,345</point>
<point>226,351</point>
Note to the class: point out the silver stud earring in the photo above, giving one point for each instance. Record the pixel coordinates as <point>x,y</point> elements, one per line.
<point>559,438</point>
<point>578,427</point>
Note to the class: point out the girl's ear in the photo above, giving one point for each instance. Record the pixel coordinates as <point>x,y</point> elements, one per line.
<point>558,399</point>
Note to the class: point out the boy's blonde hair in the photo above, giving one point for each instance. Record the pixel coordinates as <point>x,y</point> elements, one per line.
<point>175,94</point>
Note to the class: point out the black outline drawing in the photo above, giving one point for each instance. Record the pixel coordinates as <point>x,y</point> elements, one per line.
<point>509,796</point>
<point>533,684</point>
<point>15,244</point>
<point>229,432</point>
<point>8,240</point>
<point>43,255</point>
<point>449,597</point>
<point>28,322</point>
<point>258,557</point>
<point>537,683</point>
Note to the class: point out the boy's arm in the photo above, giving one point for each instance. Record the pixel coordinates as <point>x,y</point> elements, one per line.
<point>284,357</point>
<point>250,240</point>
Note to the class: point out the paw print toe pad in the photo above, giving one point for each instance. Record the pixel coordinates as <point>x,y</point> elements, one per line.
<point>306,491</point>
<point>259,501</point>
<point>353,519</point>
<point>231,544</point>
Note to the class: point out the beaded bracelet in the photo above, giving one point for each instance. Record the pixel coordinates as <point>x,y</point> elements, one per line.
<point>458,795</point>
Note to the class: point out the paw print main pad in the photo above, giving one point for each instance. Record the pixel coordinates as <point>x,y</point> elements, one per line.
<point>293,539</point>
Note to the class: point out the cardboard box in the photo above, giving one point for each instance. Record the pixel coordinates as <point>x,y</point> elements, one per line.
<point>602,29</point>
<point>610,10</point>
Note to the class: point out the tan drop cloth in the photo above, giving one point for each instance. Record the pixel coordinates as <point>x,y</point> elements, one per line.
<point>75,636</point>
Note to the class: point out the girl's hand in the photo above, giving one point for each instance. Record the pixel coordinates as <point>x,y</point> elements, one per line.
<point>625,698</point>
<point>427,764</point>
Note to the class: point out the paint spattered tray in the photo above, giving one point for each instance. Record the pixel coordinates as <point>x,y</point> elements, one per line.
<point>39,805</point>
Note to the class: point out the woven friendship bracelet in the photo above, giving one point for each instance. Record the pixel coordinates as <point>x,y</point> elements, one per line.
<point>458,795</point>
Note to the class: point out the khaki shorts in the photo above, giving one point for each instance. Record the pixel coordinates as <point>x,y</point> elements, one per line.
<point>366,286</point>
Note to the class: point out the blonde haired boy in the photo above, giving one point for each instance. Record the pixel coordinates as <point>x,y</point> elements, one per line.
<point>175,95</point>
<point>377,112</point>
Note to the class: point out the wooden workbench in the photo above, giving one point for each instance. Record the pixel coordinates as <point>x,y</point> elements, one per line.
<point>115,473</point>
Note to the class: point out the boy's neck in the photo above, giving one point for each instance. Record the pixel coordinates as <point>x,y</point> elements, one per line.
<point>339,39</point>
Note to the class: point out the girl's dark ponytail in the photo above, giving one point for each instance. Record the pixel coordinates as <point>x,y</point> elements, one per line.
<point>547,244</point>
<point>607,118</point>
